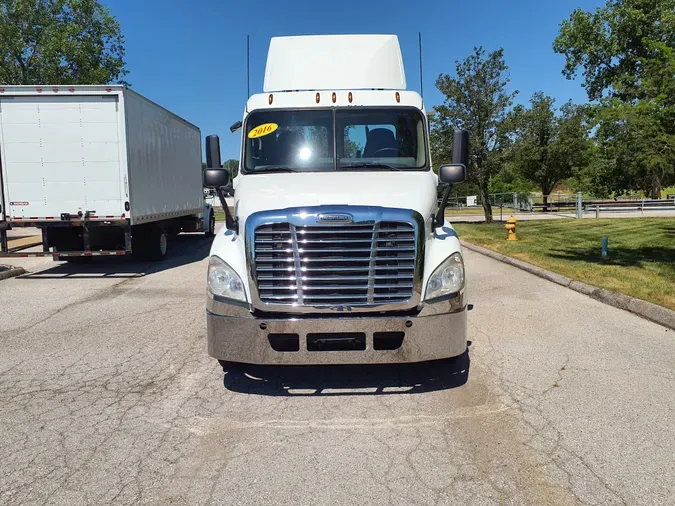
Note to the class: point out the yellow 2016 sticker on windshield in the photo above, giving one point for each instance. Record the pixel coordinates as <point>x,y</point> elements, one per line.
<point>264,129</point>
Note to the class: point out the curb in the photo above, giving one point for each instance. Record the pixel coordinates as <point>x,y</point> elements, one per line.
<point>652,312</point>
<point>10,272</point>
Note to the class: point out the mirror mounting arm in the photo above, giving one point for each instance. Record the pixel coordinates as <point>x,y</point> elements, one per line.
<point>230,222</point>
<point>216,177</point>
<point>439,219</point>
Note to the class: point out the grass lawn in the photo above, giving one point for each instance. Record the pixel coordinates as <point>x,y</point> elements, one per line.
<point>640,263</point>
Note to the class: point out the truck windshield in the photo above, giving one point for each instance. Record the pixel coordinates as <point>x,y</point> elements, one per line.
<point>392,138</point>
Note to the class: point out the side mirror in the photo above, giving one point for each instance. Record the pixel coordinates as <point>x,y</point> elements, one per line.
<point>456,172</point>
<point>213,152</point>
<point>452,173</point>
<point>460,147</point>
<point>235,126</point>
<point>216,178</point>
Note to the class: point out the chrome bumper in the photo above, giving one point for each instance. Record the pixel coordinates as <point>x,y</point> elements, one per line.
<point>437,331</point>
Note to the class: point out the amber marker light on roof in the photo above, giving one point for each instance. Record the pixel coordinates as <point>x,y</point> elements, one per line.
<point>398,97</point>
<point>350,97</point>
<point>270,99</point>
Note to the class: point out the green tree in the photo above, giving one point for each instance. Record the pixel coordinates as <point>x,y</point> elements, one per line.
<point>232,167</point>
<point>548,148</point>
<point>510,180</point>
<point>476,99</point>
<point>350,146</point>
<point>626,50</point>
<point>231,164</point>
<point>635,149</point>
<point>615,44</point>
<point>59,42</point>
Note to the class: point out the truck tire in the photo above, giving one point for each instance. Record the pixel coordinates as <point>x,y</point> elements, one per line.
<point>212,225</point>
<point>159,244</point>
<point>150,243</point>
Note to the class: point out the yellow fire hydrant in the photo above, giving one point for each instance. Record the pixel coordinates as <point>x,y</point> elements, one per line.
<point>511,229</point>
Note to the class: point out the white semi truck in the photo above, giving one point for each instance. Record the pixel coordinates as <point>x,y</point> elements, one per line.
<point>336,250</point>
<point>100,170</point>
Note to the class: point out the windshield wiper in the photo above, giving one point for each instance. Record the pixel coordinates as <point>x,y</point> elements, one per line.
<point>369,165</point>
<point>274,168</point>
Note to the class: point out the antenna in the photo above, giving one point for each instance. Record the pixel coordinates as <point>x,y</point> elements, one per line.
<point>248,66</point>
<point>421,81</point>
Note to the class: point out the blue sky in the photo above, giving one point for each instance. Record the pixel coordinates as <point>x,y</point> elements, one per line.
<point>190,56</point>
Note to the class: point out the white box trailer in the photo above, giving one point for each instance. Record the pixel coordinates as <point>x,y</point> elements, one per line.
<point>100,169</point>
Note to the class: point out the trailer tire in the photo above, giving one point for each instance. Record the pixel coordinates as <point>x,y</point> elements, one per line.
<point>150,244</point>
<point>159,244</point>
<point>212,225</point>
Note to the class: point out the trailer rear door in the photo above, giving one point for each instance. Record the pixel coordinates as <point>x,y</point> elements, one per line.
<point>60,154</point>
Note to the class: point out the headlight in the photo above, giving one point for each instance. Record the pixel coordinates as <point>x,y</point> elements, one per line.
<point>448,278</point>
<point>223,281</point>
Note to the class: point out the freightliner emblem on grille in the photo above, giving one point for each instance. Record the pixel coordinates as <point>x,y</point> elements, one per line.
<point>335,218</point>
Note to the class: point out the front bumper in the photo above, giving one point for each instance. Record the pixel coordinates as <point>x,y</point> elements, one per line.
<point>437,331</point>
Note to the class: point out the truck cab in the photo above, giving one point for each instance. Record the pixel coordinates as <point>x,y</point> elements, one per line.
<point>336,249</point>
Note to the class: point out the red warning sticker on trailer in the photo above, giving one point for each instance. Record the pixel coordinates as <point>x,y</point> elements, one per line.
<point>19,203</point>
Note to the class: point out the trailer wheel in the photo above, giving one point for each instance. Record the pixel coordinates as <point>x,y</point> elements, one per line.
<point>150,243</point>
<point>212,225</point>
<point>159,244</point>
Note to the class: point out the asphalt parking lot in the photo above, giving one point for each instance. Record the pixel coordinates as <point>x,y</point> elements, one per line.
<point>108,396</point>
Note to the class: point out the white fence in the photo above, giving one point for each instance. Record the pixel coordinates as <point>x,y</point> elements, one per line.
<point>570,204</point>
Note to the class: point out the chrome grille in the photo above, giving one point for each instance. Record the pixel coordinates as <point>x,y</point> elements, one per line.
<point>335,265</point>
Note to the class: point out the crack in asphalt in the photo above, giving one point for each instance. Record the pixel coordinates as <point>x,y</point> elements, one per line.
<point>556,437</point>
<point>125,407</point>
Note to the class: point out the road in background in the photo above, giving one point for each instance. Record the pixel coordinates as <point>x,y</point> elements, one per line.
<point>108,395</point>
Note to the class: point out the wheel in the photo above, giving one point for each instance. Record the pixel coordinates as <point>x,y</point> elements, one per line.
<point>160,245</point>
<point>212,226</point>
<point>150,243</point>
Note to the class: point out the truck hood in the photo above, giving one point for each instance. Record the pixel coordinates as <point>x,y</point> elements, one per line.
<point>402,190</point>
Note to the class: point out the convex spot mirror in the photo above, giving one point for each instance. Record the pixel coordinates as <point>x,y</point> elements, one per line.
<point>216,178</point>
<point>452,173</point>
